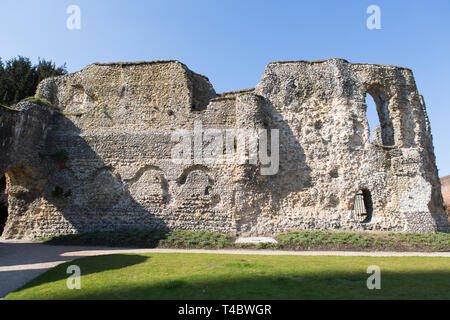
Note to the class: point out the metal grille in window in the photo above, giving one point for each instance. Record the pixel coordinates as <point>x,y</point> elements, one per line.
<point>360,207</point>
<point>363,206</point>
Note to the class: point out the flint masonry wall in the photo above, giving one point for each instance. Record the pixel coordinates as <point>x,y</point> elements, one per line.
<point>445,181</point>
<point>101,160</point>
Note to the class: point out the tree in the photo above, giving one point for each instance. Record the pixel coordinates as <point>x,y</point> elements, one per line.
<point>46,69</point>
<point>19,78</point>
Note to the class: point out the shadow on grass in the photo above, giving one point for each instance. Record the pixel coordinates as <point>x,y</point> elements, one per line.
<point>107,263</point>
<point>286,287</point>
<point>247,281</point>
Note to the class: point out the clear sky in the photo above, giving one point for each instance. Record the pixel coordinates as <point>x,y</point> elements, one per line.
<point>231,41</point>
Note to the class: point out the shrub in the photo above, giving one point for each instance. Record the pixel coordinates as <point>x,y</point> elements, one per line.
<point>60,156</point>
<point>292,240</point>
<point>58,192</point>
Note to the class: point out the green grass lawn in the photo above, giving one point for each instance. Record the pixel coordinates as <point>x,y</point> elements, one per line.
<point>215,276</point>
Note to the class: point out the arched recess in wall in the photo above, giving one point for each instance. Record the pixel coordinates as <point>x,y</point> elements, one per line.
<point>3,204</point>
<point>149,187</point>
<point>378,117</point>
<point>196,181</point>
<point>182,179</point>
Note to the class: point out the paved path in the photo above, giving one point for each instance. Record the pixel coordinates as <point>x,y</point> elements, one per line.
<point>22,261</point>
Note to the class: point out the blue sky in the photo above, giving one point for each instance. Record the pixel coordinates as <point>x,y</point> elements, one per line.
<point>231,42</point>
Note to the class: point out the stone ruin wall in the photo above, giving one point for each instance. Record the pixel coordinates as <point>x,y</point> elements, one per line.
<point>445,182</point>
<point>101,160</point>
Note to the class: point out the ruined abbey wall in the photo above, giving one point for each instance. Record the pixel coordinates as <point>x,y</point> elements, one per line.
<point>100,158</point>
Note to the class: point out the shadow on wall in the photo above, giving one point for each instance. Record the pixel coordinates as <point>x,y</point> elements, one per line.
<point>73,190</point>
<point>294,175</point>
<point>3,204</point>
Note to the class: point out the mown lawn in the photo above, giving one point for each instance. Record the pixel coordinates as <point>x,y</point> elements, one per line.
<point>215,276</point>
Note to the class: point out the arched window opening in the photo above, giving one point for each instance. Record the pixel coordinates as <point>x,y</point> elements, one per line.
<point>363,206</point>
<point>372,116</point>
<point>3,204</point>
<point>381,131</point>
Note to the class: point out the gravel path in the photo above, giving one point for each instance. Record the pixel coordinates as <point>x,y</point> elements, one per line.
<point>22,261</point>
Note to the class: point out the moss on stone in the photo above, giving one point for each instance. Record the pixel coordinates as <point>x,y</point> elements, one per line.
<point>71,113</point>
<point>40,101</point>
<point>8,108</point>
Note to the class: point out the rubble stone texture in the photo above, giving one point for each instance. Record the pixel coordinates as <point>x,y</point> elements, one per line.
<point>100,158</point>
<point>445,181</point>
